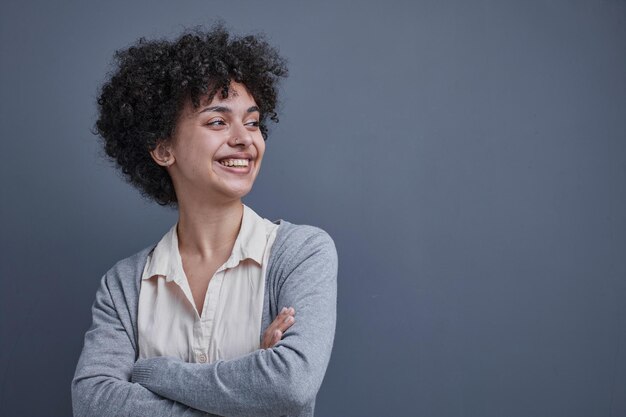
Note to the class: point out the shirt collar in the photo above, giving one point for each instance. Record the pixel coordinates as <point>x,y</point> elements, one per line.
<point>250,243</point>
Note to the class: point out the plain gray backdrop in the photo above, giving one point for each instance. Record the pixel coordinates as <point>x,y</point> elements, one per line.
<point>467,157</point>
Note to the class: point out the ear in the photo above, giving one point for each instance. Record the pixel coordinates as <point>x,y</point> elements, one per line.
<point>162,154</point>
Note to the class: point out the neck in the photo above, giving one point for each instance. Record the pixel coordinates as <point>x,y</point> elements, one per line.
<point>206,230</point>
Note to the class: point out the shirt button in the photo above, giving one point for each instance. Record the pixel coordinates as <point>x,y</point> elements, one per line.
<point>202,358</point>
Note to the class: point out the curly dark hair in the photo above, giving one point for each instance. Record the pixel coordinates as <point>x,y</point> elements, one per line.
<point>139,104</point>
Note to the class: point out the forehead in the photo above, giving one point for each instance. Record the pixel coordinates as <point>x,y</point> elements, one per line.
<point>238,94</point>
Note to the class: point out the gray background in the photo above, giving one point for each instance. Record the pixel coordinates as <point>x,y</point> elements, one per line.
<point>468,158</point>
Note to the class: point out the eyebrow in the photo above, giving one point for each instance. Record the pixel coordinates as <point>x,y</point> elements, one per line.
<point>223,109</point>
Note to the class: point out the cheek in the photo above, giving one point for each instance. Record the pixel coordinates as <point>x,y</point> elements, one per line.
<point>200,152</point>
<point>196,160</point>
<point>260,145</point>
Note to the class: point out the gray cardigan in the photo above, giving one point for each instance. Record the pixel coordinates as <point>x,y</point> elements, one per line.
<point>280,381</point>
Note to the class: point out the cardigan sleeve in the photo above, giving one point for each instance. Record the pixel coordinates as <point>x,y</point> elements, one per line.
<point>278,381</point>
<point>101,384</point>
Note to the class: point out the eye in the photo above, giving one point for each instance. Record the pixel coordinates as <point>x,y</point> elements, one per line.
<point>216,122</point>
<point>253,123</point>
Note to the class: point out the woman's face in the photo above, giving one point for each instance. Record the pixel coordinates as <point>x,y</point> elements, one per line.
<point>224,130</point>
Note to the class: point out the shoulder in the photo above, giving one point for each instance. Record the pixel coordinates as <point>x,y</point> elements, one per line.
<point>290,235</point>
<point>127,271</point>
<point>296,242</point>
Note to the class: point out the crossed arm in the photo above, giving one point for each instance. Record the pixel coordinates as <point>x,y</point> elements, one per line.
<point>101,385</point>
<point>268,382</point>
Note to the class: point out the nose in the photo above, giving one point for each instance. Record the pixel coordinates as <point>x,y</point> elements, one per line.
<point>240,135</point>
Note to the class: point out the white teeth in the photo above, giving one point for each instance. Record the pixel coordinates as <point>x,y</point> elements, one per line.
<point>235,162</point>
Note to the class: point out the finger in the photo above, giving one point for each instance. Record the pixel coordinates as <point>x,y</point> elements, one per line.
<point>284,314</point>
<point>286,323</point>
<point>282,322</point>
<point>275,324</point>
<point>277,336</point>
<point>287,310</point>
<point>271,338</point>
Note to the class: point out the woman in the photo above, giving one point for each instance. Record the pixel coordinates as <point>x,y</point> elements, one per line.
<point>229,314</point>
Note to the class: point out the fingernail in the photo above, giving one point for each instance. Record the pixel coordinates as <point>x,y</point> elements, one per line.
<point>283,310</point>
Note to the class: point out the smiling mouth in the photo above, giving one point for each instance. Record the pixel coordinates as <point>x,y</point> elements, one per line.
<point>237,168</point>
<point>235,163</point>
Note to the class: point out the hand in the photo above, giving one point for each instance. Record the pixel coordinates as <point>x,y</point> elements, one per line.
<point>275,330</point>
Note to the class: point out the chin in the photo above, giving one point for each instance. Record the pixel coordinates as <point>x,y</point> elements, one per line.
<point>239,193</point>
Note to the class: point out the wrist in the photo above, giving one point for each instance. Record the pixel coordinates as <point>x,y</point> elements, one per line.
<point>142,371</point>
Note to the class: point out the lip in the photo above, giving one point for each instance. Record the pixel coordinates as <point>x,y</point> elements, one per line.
<point>238,155</point>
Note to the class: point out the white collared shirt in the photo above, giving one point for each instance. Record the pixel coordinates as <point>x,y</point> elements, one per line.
<point>230,324</point>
